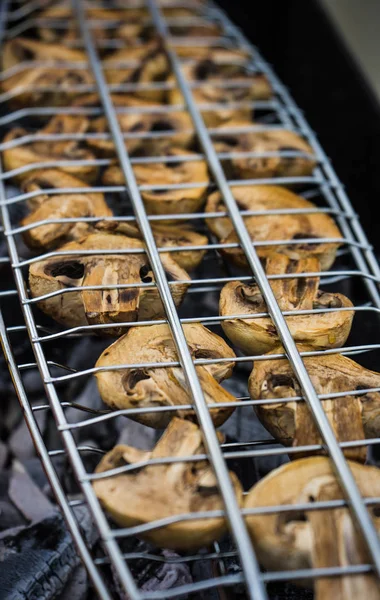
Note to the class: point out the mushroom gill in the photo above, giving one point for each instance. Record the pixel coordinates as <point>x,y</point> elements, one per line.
<point>177,488</point>
<point>227,139</point>
<point>315,538</point>
<point>264,228</point>
<point>45,208</point>
<point>171,200</point>
<point>75,308</point>
<point>164,386</point>
<point>352,417</point>
<point>42,151</point>
<point>26,87</point>
<point>258,335</point>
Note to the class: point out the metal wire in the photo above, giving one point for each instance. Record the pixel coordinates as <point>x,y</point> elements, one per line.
<point>323,182</point>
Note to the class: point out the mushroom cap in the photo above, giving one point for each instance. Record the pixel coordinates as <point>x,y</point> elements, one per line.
<point>258,336</point>
<point>153,67</point>
<point>274,227</point>
<point>83,307</point>
<point>49,207</point>
<point>209,71</point>
<point>351,417</point>
<point>179,123</point>
<point>176,489</point>
<point>270,140</point>
<point>46,151</point>
<point>166,236</point>
<point>60,78</point>
<point>166,386</point>
<point>168,201</point>
<point>315,538</point>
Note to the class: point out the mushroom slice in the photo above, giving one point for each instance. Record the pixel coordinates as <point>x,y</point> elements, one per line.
<point>218,54</point>
<point>351,417</point>
<point>204,29</point>
<point>172,200</point>
<point>131,30</point>
<point>57,77</point>
<point>178,123</point>
<point>271,140</point>
<point>257,336</point>
<point>164,386</point>
<point>46,207</point>
<point>154,67</point>
<point>166,236</point>
<point>316,538</point>
<point>208,72</point>
<point>263,228</point>
<point>175,488</point>
<point>90,307</point>
<point>45,151</point>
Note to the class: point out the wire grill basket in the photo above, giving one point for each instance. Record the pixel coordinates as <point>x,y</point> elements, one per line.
<point>356,269</point>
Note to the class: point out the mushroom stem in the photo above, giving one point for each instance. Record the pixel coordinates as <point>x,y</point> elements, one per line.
<point>336,543</point>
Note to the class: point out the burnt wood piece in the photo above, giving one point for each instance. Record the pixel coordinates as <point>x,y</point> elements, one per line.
<point>36,562</point>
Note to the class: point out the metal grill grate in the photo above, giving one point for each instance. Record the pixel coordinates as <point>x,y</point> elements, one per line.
<point>358,264</point>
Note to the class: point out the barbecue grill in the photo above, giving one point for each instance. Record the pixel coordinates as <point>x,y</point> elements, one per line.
<point>356,271</point>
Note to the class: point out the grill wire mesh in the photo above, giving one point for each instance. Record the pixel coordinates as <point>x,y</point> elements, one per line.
<point>355,273</point>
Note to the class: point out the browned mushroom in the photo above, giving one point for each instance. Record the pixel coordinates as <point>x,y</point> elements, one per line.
<point>83,307</point>
<point>319,538</point>
<point>208,72</point>
<point>153,67</point>
<point>257,336</point>
<point>29,83</point>
<point>204,29</point>
<point>176,489</point>
<point>45,151</point>
<point>218,54</point>
<point>178,123</point>
<point>270,140</point>
<point>172,200</point>
<point>57,206</point>
<point>264,228</point>
<point>164,386</point>
<point>351,417</point>
<point>166,235</point>
<point>129,30</point>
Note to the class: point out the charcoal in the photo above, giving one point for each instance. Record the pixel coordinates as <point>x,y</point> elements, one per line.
<point>28,497</point>
<point>21,442</point>
<point>10,516</point>
<point>34,468</point>
<point>37,561</point>
<point>136,434</point>
<point>77,587</point>
<point>287,591</point>
<point>3,455</point>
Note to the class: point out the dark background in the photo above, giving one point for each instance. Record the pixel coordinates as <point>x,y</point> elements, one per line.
<point>310,57</point>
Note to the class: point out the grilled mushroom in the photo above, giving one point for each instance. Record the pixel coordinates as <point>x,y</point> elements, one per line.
<point>205,29</point>
<point>29,83</point>
<point>153,67</point>
<point>218,54</point>
<point>106,305</point>
<point>45,151</point>
<point>275,227</point>
<point>168,201</point>
<point>304,539</point>
<point>166,236</point>
<point>271,140</point>
<point>57,206</point>
<point>158,491</point>
<point>166,386</point>
<point>257,336</point>
<point>136,123</point>
<point>351,417</point>
<point>209,72</point>
<point>128,31</point>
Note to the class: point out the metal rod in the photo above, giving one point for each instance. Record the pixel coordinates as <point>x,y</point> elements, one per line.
<point>238,528</point>
<point>340,465</point>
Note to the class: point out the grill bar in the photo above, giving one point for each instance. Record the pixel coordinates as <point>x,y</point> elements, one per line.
<point>238,528</point>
